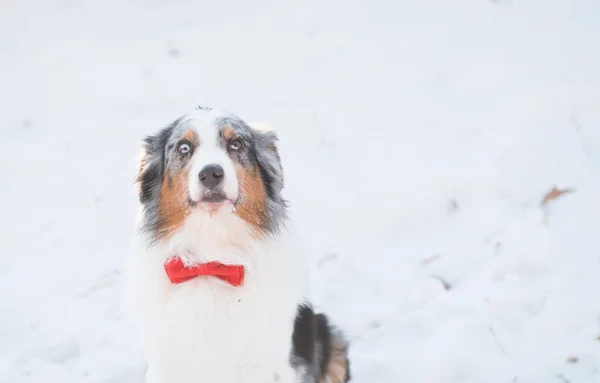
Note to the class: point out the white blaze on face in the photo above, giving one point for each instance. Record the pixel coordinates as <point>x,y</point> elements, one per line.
<point>209,152</point>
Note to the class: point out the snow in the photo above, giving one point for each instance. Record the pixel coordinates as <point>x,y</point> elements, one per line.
<point>418,139</point>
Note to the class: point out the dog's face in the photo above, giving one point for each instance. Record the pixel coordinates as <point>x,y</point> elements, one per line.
<point>210,162</point>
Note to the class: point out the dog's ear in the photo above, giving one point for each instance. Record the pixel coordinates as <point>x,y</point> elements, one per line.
<point>271,136</point>
<point>151,164</point>
<point>150,168</point>
<point>260,127</point>
<point>269,161</point>
<point>142,166</point>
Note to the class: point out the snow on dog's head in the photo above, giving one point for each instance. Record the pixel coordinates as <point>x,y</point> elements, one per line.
<point>212,164</point>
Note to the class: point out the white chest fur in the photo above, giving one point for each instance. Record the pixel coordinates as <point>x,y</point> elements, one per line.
<point>205,330</point>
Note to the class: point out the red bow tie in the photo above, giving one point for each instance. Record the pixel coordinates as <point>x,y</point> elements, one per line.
<point>178,272</point>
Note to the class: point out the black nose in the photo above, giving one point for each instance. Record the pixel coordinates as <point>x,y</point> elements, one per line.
<point>211,176</point>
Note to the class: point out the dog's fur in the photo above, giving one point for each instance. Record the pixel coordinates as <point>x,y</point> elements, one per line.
<point>205,330</point>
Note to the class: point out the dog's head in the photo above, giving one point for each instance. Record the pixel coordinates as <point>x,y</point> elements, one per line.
<point>212,163</point>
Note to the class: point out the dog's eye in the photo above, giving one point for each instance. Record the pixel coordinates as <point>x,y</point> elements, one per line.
<point>236,145</point>
<point>184,148</point>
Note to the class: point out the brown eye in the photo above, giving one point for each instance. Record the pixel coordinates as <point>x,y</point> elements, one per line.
<point>236,145</point>
<point>184,148</point>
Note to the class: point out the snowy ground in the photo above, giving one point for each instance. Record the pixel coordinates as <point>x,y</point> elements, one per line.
<point>418,139</point>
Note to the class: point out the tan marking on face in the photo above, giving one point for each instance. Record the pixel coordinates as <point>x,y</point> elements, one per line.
<point>172,206</point>
<point>252,205</point>
<point>228,133</point>
<point>189,135</point>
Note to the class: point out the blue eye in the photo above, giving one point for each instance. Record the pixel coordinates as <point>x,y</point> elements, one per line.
<point>184,148</point>
<point>236,145</point>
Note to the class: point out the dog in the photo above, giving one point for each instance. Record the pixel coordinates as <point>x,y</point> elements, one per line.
<point>220,284</point>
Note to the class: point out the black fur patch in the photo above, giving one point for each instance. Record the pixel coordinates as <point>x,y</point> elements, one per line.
<point>304,336</point>
<point>323,339</point>
<point>312,342</point>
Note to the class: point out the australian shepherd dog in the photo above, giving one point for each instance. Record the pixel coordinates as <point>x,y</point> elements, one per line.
<point>220,284</point>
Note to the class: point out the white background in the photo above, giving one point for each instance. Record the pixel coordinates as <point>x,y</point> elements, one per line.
<point>418,138</point>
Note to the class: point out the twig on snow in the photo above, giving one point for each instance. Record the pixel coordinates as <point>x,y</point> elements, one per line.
<point>446,285</point>
<point>491,329</point>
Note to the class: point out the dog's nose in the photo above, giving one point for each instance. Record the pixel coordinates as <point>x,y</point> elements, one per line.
<point>211,176</point>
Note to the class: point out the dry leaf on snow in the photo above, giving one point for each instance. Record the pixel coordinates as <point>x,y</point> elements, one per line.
<point>555,193</point>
